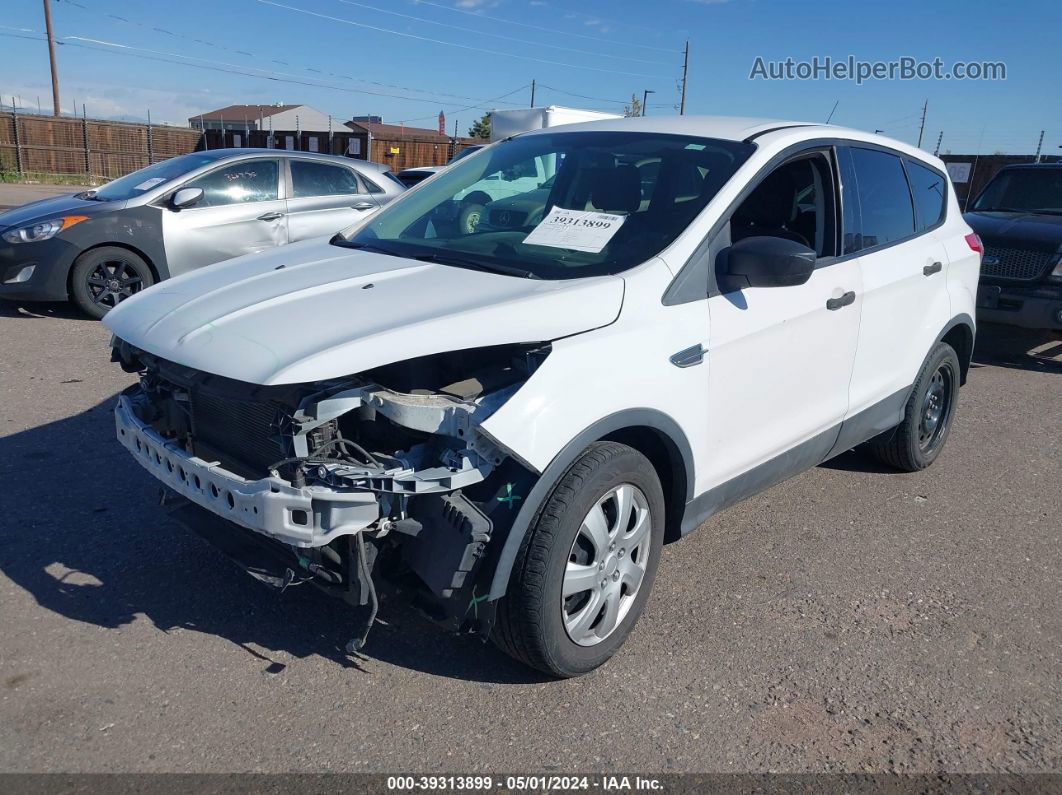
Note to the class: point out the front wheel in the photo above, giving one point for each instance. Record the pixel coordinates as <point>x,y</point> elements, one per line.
<point>587,564</point>
<point>916,442</point>
<point>102,277</point>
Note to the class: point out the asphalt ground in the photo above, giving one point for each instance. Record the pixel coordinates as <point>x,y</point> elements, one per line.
<point>16,194</point>
<point>852,618</point>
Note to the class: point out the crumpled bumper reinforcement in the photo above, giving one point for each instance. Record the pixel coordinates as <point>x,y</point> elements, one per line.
<point>305,517</point>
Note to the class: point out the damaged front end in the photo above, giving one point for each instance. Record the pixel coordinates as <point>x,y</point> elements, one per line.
<point>382,475</point>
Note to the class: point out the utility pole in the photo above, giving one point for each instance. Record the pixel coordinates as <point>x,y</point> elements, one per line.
<point>922,126</point>
<point>51,58</point>
<point>685,72</point>
<point>645,97</point>
<point>1039,146</point>
<point>532,93</point>
<point>936,150</point>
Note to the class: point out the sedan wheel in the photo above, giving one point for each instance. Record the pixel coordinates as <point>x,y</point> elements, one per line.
<point>104,277</point>
<point>112,281</point>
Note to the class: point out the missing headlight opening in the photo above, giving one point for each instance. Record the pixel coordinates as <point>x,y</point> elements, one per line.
<point>384,475</point>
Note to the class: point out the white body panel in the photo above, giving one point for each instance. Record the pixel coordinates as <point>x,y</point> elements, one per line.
<point>780,366</point>
<point>313,310</point>
<point>901,318</point>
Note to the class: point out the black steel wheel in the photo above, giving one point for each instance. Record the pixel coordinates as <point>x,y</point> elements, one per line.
<point>916,442</point>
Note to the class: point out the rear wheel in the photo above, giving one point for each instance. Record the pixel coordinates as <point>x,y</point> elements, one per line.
<point>105,276</point>
<point>587,565</point>
<point>916,442</point>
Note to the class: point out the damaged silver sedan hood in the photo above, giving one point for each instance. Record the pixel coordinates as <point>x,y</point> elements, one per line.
<point>312,311</point>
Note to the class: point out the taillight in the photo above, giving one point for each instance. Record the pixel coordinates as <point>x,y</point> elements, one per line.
<point>975,244</point>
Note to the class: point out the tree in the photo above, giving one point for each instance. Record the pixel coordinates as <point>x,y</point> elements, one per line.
<point>635,108</point>
<point>480,128</point>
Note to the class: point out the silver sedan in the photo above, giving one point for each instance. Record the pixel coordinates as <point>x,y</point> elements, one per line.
<point>101,246</point>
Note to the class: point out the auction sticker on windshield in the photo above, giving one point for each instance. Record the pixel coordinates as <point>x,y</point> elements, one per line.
<point>577,230</point>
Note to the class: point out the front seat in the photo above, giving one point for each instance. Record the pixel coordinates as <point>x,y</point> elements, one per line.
<point>768,210</point>
<point>616,190</point>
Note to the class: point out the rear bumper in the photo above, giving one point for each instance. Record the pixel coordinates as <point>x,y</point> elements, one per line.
<point>309,516</point>
<point>1029,307</point>
<point>51,261</point>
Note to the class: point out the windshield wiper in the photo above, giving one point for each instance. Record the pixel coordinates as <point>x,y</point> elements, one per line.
<point>339,240</point>
<point>458,262</point>
<point>1001,210</point>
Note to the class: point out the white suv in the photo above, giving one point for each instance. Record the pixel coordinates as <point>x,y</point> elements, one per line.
<point>510,422</point>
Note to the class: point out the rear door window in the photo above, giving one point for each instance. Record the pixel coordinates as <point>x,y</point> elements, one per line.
<point>886,211</point>
<point>321,179</point>
<point>237,183</point>
<point>929,190</point>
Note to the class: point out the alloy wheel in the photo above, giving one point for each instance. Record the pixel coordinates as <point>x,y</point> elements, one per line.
<point>112,281</point>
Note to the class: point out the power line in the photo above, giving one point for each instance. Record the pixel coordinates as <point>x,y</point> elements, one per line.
<point>500,35</point>
<point>470,107</point>
<point>475,49</point>
<point>540,27</point>
<point>206,43</point>
<point>220,68</point>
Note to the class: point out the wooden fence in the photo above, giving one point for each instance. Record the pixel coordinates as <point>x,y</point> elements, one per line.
<point>101,150</point>
<point>30,143</point>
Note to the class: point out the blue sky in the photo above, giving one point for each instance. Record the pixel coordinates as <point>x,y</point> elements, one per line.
<point>457,53</point>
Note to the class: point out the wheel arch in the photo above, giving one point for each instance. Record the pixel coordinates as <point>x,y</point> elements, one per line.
<point>110,244</point>
<point>960,334</point>
<point>652,433</point>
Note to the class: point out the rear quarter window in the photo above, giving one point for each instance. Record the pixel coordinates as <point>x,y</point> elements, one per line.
<point>929,191</point>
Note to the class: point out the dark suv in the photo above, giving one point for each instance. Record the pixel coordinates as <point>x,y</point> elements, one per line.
<point>1019,219</point>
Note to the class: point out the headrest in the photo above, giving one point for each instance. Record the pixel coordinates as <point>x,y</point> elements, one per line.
<point>616,189</point>
<point>771,203</point>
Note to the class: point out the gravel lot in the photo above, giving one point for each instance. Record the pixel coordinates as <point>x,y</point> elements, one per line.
<point>850,619</point>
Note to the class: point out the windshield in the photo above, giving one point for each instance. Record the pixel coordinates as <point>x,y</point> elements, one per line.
<point>557,205</point>
<point>471,150</point>
<point>1031,190</point>
<point>132,185</point>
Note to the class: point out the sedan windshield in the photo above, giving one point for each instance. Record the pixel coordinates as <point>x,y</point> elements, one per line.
<point>557,205</point>
<point>1023,190</point>
<point>132,185</point>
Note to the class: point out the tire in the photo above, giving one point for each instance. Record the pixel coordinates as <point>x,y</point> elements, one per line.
<point>468,218</point>
<point>560,635</point>
<point>102,277</point>
<point>916,442</point>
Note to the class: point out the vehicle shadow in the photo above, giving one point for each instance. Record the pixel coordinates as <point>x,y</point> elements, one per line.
<point>34,310</point>
<point>85,536</point>
<point>1018,348</point>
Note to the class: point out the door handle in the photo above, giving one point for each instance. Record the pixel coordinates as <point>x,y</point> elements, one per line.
<point>688,356</point>
<point>363,206</point>
<point>270,216</point>
<point>929,270</point>
<point>844,300</point>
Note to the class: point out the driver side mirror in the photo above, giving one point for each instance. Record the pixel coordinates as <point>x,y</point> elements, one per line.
<point>186,197</point>
<point>769,262</point>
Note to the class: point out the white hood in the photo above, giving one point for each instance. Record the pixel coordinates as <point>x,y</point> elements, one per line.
<point>311,311</point>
